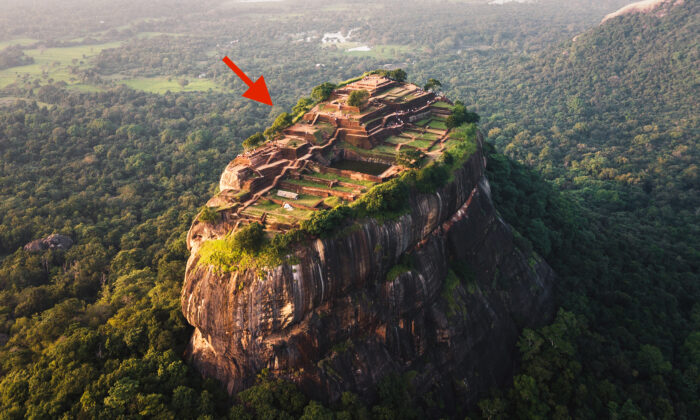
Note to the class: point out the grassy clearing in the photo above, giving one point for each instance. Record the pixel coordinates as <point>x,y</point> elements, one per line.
<point>333,201</point>
<point>17,41</point>
<point>397,140</point>
<point>412,133</point>
<point>435,147</point>
<point>421,144</point>
<point>307,183</point>
<point>441,104</point>
<point>348,7</point>
<point>276,211</point>
<point>344,179</point>
<point>53,63</point>
<point>162,85</point>
<point>385,149</point>
<point>422,122</point>
<point>440,125</point>
<point>428,136</point>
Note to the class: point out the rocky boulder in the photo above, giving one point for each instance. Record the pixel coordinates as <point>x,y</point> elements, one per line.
<point>55,241</point>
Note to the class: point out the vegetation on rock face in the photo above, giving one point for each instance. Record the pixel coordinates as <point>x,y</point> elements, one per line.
<point>208,215</point>
<point>247,248</point>
<point>398,74</point>
<point>433,84</point>
<point>253,141</point>
<point>358,98</point>
<point>460,116</point>
<point>409,157</point>
<point>323,91</point>
<point>302,107</point>
<point>383,201</point>
<point>282,121</point>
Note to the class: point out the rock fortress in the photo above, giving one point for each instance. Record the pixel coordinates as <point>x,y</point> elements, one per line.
<point>436,290</point>
<point>332,155</point>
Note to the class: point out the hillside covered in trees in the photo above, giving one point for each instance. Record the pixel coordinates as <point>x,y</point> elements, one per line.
<point>108,135</point>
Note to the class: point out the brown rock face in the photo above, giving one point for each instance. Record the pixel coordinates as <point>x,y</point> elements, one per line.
<point>334,322</point>
<point>54,241</point>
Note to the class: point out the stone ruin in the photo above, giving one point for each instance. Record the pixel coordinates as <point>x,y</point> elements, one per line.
<point>332,155</point>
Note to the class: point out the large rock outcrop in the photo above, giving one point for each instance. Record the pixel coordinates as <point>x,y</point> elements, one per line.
<point>334,322</point>
<point>54,241</point>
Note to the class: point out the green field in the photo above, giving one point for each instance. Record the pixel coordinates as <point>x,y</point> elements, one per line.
<point>277,213</point>
<point>358,182</point>
<point>385,149</point>
<point>162,85</point>
<point>422,122</point>
<point>53,63</point>
<point>435,147</point>
<point>307,183</point>
<point>428,136</point>
<point>440,125</point>
<point>396,140</point>
<point>17,41</point>
<point>442,105</point>
<point>421,144</point>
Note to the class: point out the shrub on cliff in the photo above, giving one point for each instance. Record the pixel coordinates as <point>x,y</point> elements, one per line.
<point>431,177</point>
<point>238,251</point>
<point>398,75</point>
<point>432,84</point>
<point>358,98</point>
<point>302,107</point>
<point>248,248</point>
<point>208,215</point>
<point>282,121</point>
<point>253,141</point>
<point>322,91</point>
<point>323,222</point>
<point>460,116</point>
<point>383,200</point>
<point>249,238</point>
<point>409,158</point>
<point>464,147</point>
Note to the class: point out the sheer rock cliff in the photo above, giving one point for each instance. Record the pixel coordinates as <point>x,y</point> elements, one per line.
<point>334,322</point>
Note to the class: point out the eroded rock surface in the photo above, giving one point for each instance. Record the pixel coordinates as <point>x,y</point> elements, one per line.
<point>334,322</point>
<point>54,241</point>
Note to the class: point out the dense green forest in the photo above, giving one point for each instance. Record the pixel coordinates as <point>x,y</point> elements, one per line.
<point>593,160</point>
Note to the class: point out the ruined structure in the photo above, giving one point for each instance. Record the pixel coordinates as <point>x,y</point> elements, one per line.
<point>333,154</point>
<point>442,292</point>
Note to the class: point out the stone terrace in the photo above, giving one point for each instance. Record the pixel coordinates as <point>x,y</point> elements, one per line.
<point>334,154</point>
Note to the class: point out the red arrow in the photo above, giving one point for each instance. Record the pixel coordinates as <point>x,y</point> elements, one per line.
<point>256,91</point>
